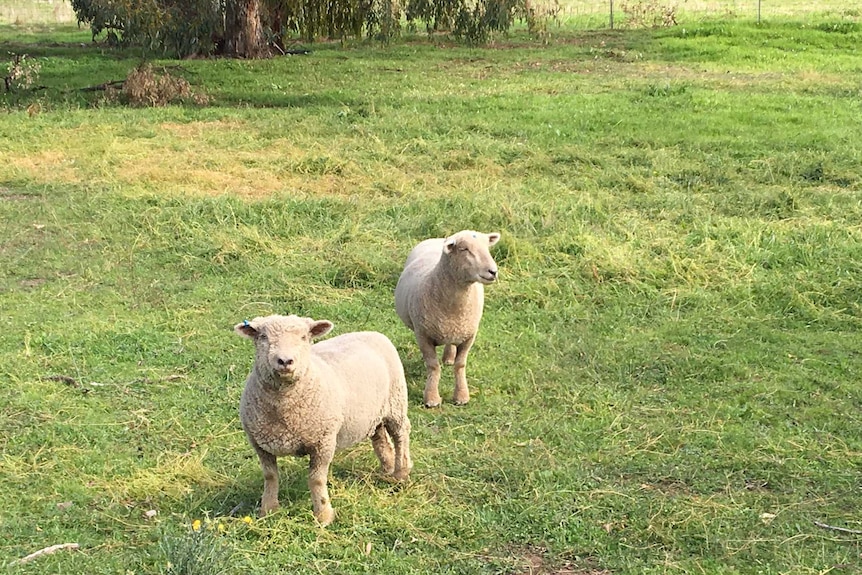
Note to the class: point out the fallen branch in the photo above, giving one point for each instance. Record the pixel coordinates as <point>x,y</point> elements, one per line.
<point>64,379</point>
<point>45,551</point>
<point>101,87</point>
<point>841,529</point>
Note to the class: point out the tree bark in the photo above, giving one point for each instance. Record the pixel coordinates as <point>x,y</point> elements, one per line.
<point>244,29</point>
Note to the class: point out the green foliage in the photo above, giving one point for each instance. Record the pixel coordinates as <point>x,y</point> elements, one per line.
<point>469,20</point>
<point>175,26</point>
<point>199,550</point>
<point>197,27</point>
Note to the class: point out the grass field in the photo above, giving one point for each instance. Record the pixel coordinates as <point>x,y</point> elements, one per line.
<point>667,375</point>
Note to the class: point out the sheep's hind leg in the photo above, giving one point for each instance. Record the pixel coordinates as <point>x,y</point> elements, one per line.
<point>383,450</point>
<point>400,433</point>
<point>269,466</point>
<point>318,473</point>
<point>461,394</point>
<point>432,369</point>
<point>448,354</point>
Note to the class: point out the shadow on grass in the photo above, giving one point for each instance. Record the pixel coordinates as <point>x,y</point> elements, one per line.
<point>78,70</point>
<point>243,497</point>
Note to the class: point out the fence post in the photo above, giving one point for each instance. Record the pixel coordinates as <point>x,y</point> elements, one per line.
<point>612,14</point>
<point>758,11</point>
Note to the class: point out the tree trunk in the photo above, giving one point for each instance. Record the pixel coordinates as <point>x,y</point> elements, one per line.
<point>244,30</point>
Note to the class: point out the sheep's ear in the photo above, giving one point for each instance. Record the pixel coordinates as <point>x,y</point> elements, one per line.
<point>245,329</point>
<point>449,245</point>
<point>493,238</point>
<point>319,328</point>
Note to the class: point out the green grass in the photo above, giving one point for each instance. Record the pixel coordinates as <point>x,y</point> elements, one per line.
<point>666,379</point>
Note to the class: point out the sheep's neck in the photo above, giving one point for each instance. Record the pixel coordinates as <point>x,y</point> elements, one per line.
<point>447,290</point>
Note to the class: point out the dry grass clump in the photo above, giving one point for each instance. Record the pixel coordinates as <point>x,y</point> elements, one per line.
<point>146,87</point>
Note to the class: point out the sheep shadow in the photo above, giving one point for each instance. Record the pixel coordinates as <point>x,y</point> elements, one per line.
<point>242,497</point>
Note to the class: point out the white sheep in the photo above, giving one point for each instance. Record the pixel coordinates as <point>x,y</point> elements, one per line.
<point>311,399</point>
<point>440,296</point>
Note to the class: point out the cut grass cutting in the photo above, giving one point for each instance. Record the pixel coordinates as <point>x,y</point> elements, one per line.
<point>666,377</point>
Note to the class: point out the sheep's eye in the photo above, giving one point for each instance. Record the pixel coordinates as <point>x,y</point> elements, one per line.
<point>465,249</point>
<point>262,336</point>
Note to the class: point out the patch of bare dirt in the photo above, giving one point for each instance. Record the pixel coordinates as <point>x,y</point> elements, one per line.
<point>534,560</point>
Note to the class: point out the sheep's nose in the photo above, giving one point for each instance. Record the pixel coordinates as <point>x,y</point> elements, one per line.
<point>285,362</point>
<point>493,273</point>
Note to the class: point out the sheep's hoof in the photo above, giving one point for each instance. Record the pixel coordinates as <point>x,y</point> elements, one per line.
<point>401,475</point>
<point>433,404</point>
<point>266,510</point>
<point>325,516</point>
<point>460,401</point>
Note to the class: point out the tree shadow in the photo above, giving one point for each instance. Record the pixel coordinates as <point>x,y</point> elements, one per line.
<point>81,70</point>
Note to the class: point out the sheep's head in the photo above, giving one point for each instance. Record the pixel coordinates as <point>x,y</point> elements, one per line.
<point>282,344</point>
<point>469,257</point>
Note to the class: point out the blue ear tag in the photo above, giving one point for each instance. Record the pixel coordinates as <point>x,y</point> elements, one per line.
<point>245,322</point>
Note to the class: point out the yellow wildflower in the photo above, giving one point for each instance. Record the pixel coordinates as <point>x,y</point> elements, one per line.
<point>247,520</point>
<point>196,525</point>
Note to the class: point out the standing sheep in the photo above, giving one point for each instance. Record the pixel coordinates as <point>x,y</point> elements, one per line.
<point>440,296</point>
<point>311,399</point>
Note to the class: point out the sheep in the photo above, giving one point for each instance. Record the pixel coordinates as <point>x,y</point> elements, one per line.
<point>311,399</point>
<point>440,295</point>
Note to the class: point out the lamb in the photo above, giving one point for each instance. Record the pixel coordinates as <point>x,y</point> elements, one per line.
<point>440,295</point>
<point>311,399</point>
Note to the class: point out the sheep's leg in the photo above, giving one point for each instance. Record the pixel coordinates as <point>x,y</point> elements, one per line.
<point>400,432</point>
<point>269,466</point>
<point>462,394</point>
<point>383,450</point>
<point>432,370</point>
<point>318,473</point>
<point>448,354</point>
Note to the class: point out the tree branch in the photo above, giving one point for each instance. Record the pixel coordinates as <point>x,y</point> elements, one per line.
<point>45,551</point>
<point>841,529</point>
<point>100,87</point>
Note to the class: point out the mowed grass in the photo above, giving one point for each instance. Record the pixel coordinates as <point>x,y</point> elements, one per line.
<point>666,378</point>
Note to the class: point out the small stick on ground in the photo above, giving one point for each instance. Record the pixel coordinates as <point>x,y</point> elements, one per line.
<point>45,551</point>
<point>841,529</point>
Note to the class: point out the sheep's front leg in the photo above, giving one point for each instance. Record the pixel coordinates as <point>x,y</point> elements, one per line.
<point>432,370</point>
<point>318,473</point>
<point>269,466</point>
<point>462,394</point>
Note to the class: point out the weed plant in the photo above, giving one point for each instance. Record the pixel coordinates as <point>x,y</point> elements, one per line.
<point>667,375</point>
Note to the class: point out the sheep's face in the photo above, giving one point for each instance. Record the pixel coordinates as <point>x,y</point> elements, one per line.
<point>282,344</point>
<point>469,256</point>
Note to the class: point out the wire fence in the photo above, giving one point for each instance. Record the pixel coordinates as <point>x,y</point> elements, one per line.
<point>602,14</point>
<point>585,14</point>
